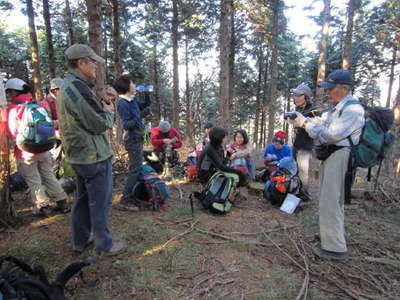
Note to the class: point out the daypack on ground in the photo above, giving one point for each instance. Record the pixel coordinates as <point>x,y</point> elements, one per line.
<point>18,281</point>
<point>218,194</point>
<point>375,140</point>
<point>191,166</point>
<point>283,181</point>
<point>150,188</point>
<point>17,182</point>
<point>36,131</point>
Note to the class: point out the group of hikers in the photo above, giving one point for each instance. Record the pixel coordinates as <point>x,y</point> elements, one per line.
<point>82,121</point>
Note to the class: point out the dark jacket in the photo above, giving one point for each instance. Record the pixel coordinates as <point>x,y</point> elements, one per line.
<point>131,113</point>
<point>83,122</point>
<point>302,140</point>
<point>211,160</point>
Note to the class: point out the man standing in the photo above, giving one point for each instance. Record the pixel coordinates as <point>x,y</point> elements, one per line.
<point>333,132</point>
<point>303,143</point>
<point>84,122</point>
<point>131,109</point>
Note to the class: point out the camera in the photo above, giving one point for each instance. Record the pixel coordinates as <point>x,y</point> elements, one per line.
<point>290,115</point>
<point>145,88</point>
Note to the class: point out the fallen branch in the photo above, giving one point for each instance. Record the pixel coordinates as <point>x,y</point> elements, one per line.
<point>384,261</point>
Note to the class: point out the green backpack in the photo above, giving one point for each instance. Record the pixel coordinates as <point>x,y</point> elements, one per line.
<point>375,140</point>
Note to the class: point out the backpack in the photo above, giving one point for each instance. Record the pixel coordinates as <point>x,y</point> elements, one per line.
<point>18,281</point>
<point>375,140</point>
<point>150,188</point>
<point>36,133</point>
<point>283,181</point>
<point>191,169</point>
<point>17,182</point>
<point>219,192</point>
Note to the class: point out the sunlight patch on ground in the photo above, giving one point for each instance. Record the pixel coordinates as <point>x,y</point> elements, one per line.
<point>158,248</point>
<point>46,221</point>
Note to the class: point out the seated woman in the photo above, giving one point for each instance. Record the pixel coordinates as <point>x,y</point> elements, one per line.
<point>241,149</point>
<point>212,157</point>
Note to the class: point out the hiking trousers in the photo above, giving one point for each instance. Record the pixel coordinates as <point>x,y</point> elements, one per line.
<point>331,201</point>
<point>91,206</point>
<point>303,158</point>
<point>38,174</point>
<point>134,146</point>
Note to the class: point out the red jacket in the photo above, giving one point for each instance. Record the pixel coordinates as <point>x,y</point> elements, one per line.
<point>157,138</point>
<point>49,104</point>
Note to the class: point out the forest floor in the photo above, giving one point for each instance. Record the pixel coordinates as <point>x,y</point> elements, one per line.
<point>253,252</point>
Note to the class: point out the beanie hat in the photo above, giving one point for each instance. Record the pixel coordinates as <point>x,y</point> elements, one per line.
<point>164,126</point>
<point>279,137</point>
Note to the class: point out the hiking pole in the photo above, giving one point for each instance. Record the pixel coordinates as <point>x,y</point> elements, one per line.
<point>191,204</point>
<point>377,175</point>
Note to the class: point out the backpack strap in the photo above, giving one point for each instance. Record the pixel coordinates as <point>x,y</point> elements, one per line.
<point>350,102</point>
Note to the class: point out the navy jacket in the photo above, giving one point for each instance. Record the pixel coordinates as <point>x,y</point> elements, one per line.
<point>131,114</point>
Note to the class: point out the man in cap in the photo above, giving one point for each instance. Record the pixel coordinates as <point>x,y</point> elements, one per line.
<point>334,132</point>
<point>164,136</point>
<point>303,143</point>
<point>84,122</point>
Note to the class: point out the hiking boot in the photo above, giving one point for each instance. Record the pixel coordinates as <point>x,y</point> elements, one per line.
<point>330,255</point>
<point>117,248</point>
<point>78,249</point>
<point>61,207</point>
<point>44,211</point>
<point>126,207</point>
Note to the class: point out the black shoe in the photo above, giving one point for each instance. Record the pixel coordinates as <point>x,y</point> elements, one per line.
<point>61,207</point>
<point>305,196</point>
<point>44,211</point>
<point>331,255</point>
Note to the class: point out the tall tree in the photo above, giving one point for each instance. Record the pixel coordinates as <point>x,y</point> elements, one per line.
<point>68,21</point>
<point>116,38</point>
<point>49,39</point>
<point>37,79</point>
<point>273,83</point>
<point>351,8</point>
<point>391,75</point>
<point>323,48</point>
<point>175,62</point>
<point>225,61</point>
<point>96,41</point>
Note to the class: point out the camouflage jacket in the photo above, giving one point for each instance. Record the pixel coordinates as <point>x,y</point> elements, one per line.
<point>83,122</point>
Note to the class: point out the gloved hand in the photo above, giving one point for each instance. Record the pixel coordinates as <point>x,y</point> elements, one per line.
<point>298,121</point>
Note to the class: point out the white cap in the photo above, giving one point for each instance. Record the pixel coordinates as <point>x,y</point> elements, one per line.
<point>15,84</point>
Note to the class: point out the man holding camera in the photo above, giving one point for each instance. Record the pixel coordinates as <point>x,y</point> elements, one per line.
<point>131,110</point>
<point>165,138</point>
<point>84,122</point>
<point>333,132</point>
<point>303,143</point>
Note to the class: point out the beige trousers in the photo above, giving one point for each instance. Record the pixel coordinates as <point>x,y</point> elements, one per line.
<point>303,158</point>
<point>331,201</point>
<point>38,173</point>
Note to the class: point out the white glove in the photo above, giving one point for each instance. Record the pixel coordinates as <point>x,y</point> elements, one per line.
<point>298,122</point>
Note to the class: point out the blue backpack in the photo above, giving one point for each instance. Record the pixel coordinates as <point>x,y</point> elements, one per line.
<point>150,188</point>
<point>36,133</point>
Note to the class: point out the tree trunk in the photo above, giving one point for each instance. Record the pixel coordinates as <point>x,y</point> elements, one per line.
<point>49,39</point>
<point>225,44</point>
<point>273,95</point>
<point>258,96</point>
<point>68,21</point>
<point>96,41</point>
<point>349,34</point>
<point>37,80</point>
<point>232,64</point>
<point>323,49</point>
<point>391,76</point>
<point>116,39</point>
<point>189,119</point>
<point>175,61</point>
<point>156,82</point>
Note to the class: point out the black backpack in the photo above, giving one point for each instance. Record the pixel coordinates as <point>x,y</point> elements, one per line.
<point>18,281</point>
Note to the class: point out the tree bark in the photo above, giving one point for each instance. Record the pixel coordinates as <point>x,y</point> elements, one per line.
<point>116,39</point>
<point>37,80</point>
<point>68,21</point>
<point>156,82</point>
<point>349,34</point>
<point>189,119</point>
<point>49,39</point>
<point>323,49</point>
<point>391,76</point>
<point>96,41</point>
<point>273,71</point>
<point>175,61</point>
<point>225,44</point>
<point>258,96</point>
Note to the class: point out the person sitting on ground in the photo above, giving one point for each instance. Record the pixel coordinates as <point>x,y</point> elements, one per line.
<point>163,137</point>
<point>129,109</point>
<point>212,157</point>
<point>205,138</point>
<point>37,169</point>
<point>241,148</point>
<point>278,149</point>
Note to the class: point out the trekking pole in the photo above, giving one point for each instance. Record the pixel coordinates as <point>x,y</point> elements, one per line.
<point>191,204</point>
<point>377,175</point>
